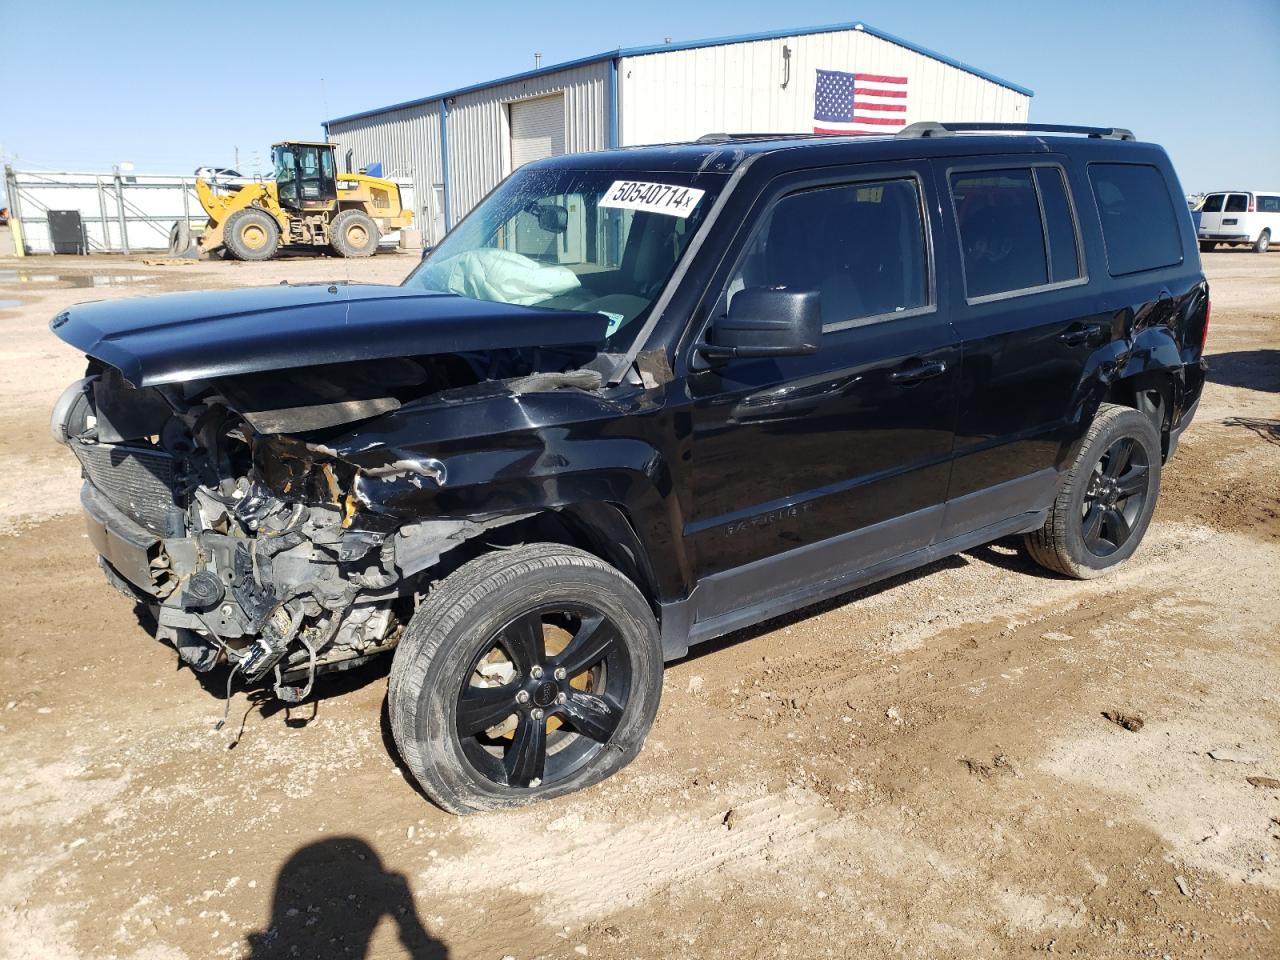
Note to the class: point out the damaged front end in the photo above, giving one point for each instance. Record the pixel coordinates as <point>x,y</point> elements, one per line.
<point>249,545</point>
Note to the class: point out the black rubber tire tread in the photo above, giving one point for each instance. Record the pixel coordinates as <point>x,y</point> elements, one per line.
<point>1263,242</point>
<point>230,235</point>
<point>1058,545</point>
<point>337,234</point>
<point>421,682</point>
<point>1206,246</point>
<point>179,239</point>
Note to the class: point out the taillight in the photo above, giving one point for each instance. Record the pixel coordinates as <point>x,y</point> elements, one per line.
<point>1204,333</point>
<point>1252,208</point>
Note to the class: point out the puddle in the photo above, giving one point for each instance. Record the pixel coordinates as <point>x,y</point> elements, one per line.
<point>9,304</point>
<point>74,279</point>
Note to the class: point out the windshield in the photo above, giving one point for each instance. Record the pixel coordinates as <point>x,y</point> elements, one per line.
<point>583,240</point>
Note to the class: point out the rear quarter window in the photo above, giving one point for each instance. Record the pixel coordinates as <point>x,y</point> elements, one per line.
<point>1139,226</point>
<point>1269,204</point>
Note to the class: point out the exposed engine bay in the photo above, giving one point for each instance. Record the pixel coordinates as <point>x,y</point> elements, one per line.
<point>219,505</point>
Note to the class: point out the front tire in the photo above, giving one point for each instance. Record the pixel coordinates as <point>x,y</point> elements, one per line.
<point>251,234</point>
<point>526,674</point>
<point>1263,243</point>
<point>1106,500</point>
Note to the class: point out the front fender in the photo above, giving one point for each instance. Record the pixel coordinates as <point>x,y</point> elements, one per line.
<point>560,451</point>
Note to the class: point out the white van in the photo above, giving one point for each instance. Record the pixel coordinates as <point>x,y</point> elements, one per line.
<point>1240,216</point>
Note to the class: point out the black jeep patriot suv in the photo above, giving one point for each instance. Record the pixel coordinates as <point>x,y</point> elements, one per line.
<point>635,400</point>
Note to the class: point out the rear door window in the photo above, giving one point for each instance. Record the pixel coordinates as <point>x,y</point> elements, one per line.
<point>1213,203</point>
<point>1237,203</point>
<point>1017,230</point>
<point>1139,227</point>
<point>1059,225</point>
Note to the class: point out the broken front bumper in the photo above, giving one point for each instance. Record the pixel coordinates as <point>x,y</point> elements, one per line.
<point>127,546</point>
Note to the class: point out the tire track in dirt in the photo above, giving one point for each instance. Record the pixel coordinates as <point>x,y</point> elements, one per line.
<point>561,866</point>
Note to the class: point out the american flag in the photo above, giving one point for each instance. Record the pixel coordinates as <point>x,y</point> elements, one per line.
<point>859,103</point>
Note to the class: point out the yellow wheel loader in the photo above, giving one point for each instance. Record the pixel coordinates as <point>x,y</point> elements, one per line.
<point>308,204</point>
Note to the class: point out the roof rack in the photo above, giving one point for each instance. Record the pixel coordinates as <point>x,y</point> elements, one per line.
<point>932,128</point>
<point>730,137</point>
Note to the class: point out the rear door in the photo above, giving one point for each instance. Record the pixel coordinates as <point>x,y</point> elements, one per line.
<point>1235,216</point>
<point>1028,328</point>
<point>807,467</point>
<point>1211,214</point>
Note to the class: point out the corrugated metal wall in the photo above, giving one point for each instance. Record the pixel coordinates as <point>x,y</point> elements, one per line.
<point>480,135</point>
<point>683,94</point>
<point>408,140</point>
<point>664,96</point>
<point>407,144</point>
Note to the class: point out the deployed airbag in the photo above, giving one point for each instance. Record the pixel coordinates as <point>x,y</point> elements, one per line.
<point>499,275</point>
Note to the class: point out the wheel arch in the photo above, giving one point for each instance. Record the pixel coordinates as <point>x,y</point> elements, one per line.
<point>601,528</point>
<point>1146,373</point>
<point>1155,393</point>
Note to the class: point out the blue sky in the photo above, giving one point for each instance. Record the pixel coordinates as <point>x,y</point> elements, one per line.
<point>171,86</point>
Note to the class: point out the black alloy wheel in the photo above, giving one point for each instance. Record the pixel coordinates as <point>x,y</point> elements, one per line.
<point>544,695</point>
<point>528,673</point>
<point>1106,499</point>
<point>1115,497</point>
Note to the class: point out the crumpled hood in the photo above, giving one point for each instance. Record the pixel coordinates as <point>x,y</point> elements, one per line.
<point>195,336</point>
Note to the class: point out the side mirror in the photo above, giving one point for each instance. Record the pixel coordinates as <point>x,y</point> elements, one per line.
<point>767,322</point>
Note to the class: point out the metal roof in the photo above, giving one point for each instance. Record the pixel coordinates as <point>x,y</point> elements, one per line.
<point>857,25</point>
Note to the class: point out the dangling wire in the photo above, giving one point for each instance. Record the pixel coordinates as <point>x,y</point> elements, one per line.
<point>226,706</point>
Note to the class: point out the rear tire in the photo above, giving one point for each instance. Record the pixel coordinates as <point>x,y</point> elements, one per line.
<point>1206,246</point>
<point>354,233</point>
<point>1106,500</point>
<point>484,709</point>
<point>251,234</point>
<point>1263,242</point>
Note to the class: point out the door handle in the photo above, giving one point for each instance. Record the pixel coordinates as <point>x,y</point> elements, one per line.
<point>915,371</point>
<point>1079,333</point>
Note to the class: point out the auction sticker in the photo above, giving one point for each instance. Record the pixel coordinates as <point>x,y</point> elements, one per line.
<point>674,201</point>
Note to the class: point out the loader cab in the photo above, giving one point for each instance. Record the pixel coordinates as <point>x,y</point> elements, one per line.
<point>306,175</point>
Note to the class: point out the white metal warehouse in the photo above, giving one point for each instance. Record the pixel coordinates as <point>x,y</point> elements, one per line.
<point>846,78</point>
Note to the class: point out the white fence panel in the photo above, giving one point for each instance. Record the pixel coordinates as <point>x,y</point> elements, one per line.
<point>141,209</point>
<point>120,214</point>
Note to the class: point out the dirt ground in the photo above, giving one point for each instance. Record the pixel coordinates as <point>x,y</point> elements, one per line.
<point>921,769</point>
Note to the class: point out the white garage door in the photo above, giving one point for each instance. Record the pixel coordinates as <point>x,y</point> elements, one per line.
<point>537,129</point>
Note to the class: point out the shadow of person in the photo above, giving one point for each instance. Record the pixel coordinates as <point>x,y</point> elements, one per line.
<point>330,896</point>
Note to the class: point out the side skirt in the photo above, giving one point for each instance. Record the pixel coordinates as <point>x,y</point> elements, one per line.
<point>680,631</point>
